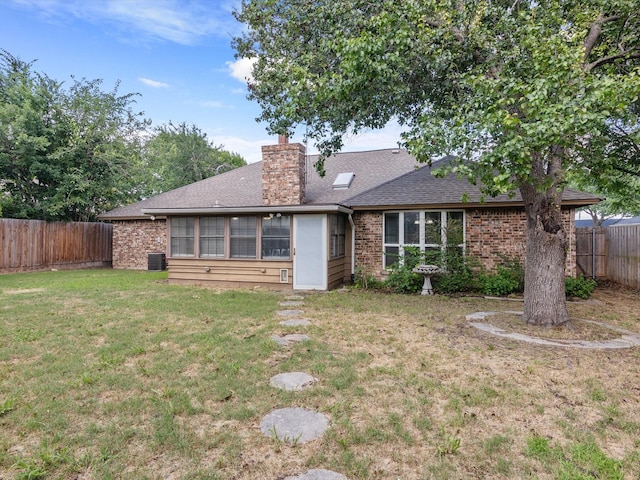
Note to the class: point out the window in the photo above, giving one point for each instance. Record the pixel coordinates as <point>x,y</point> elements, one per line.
<point>182,236</point>
<point>276,237</point>
<point>431,232</point>
<point>391,238</point>
<point>242,238</point>
<point>337,235</point>
<point>212,236</point>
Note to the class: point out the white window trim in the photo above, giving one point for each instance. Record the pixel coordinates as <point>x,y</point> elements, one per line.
<point>422,245</point>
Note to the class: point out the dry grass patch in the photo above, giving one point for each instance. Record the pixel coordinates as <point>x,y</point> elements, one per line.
<point>172,382</point>
<point>576,329</point>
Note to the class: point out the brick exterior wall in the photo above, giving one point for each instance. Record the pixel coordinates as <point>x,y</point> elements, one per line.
<point>368,243</point>
<point>489,234</point>
<point>283,174</point>
<point>134,239</point>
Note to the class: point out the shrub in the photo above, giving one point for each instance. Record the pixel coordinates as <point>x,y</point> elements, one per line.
<point>499,285</point>
<point>581,287</point>
<point>402,279</point>
<point>366,281</point>
<point>508,279</point>
<point>455,282</point>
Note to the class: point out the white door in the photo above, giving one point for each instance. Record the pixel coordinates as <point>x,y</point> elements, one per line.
<point>310,252</point>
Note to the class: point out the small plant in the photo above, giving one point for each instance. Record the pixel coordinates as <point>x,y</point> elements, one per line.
<point>7,406</point>
<point>366,281</point>
<point>293,441</point>
<point>580,287</point>
<point>449,445</point>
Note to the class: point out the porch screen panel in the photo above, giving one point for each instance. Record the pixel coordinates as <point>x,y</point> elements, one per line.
<point>212,236</point>
<point>243,237</point>
<point>276,237</point>
<point>337,236</point>
<point>182,236</point>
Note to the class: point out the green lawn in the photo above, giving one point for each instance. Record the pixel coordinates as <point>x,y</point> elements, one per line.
<point>113,374</point>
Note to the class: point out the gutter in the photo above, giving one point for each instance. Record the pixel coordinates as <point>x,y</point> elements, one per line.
<point>247,210</point>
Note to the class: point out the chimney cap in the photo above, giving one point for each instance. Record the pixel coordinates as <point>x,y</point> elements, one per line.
<point>283,139</point>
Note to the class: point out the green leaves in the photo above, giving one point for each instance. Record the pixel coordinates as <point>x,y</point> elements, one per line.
<point>65,154</point>
<point>178,155</point>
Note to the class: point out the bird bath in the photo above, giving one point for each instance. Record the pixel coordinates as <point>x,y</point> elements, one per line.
<point>427,271</point>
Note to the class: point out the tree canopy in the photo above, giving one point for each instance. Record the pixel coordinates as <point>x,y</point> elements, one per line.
<point>179,154</point>
<point>65,153</point>
<point>72,152</point>
<point>524,93</point>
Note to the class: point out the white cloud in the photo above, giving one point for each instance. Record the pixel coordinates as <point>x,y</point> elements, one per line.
<point>153,83</point>
<point>178,21</point>
<point>250,150</point>
<point>242,69</point>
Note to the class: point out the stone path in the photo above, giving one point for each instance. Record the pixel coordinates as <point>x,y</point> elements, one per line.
<point>318,475</point>
<point>626,340</point>
<point>296,322</point>
<point>296,425</point>
<point>292,381</point>
<point>285,340</point>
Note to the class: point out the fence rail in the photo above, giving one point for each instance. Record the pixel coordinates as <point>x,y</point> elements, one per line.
<point>36,245</point>
<point>610,252</point>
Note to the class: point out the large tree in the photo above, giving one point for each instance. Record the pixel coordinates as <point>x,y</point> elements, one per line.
<point>522,92</point>
<point>178,155</point>
<point>66,153</point>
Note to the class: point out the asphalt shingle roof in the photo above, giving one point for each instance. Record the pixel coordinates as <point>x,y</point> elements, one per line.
<point>382,178</point>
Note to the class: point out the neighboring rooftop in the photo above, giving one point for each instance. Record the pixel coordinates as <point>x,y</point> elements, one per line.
<point>588,223</point>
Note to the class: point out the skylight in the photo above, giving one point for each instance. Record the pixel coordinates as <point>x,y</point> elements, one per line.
<point>343,180</point>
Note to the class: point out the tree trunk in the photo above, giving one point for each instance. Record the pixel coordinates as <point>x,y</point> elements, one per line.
<point>546,255</point>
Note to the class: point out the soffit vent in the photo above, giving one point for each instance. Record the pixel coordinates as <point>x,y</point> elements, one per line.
<point>343,181</point>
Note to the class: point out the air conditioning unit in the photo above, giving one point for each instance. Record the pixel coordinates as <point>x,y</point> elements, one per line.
<point>156,262</point>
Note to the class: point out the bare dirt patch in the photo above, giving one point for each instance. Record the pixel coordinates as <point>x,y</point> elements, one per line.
<point>22,291</point>
<point>576,329</point>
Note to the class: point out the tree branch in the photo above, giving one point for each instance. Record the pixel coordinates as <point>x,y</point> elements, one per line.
<point>594,33</point>
<point>612,58</point>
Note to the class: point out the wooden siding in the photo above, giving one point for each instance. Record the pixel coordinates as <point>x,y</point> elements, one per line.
<point>338,271</point>
<point>229,272</point>
<point>27,245</point>
<point>623,254</point>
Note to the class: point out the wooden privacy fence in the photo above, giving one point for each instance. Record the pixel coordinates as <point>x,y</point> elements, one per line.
<point>611,252</point>
<point>36,245</point>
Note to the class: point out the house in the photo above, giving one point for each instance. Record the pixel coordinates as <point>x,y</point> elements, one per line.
<point>278,223</point>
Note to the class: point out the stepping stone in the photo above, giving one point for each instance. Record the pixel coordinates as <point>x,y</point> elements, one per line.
<point>291,338</point>
<point>296,322</point>
<point>290,313</point>
<point>294,425</point>
<point>292,381</point>
<point>318,474</point>
<point>292,303</point>
<point>294,297</point>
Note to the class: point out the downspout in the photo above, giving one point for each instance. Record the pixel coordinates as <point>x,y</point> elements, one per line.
<point>353,247</point>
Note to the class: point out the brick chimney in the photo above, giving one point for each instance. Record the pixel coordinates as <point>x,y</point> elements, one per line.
<point>283,173</point>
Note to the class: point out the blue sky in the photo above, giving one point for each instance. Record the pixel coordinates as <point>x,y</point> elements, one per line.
<point>176,53</point>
